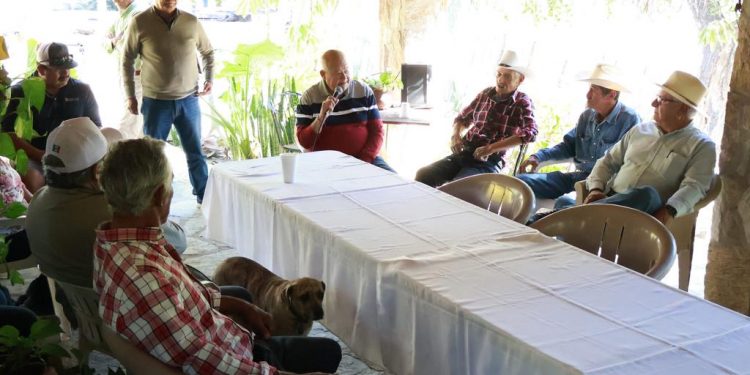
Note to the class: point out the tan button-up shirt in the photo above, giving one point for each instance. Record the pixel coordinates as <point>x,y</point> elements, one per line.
<point>679,164</point>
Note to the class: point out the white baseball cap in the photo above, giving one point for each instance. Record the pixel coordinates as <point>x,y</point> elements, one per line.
<point>78,143</point>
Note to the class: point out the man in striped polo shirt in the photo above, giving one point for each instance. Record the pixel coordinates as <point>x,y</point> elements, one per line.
<point>340,114</point>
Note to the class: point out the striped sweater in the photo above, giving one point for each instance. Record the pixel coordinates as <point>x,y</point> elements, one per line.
<point>353,127</point>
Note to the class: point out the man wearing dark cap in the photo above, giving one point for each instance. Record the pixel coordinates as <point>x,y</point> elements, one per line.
<point>65,98</point>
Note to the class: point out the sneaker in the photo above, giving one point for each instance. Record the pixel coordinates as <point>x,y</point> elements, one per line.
<point>538,216</point>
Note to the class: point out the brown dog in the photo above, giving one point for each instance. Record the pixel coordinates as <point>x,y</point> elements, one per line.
<point>293,304</point>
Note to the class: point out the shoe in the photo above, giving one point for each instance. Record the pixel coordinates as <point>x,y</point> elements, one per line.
<point>537,216</point>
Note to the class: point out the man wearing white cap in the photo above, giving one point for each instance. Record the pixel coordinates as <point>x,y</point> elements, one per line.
<point>604,122</point>
<point>66,98</point>
<point>665,166</point>
<point>62,216</point>
<point>499,118</point>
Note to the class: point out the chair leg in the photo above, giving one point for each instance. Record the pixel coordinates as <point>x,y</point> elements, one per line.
<point>685,258</point>
<point>64,323</point>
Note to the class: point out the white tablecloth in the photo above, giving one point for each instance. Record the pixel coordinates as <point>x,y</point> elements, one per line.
<point>423,283</point>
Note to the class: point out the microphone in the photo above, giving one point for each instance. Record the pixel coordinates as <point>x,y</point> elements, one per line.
<point>337,93</point>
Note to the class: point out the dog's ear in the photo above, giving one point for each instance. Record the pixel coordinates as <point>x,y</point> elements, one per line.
<point>288,292</point>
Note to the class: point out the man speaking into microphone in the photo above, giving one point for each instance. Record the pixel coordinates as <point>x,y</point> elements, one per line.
<point>340,114</point>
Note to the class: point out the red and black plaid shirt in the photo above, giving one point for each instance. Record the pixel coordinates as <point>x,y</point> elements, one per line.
<point>148,297</point>
<point>492,118</point>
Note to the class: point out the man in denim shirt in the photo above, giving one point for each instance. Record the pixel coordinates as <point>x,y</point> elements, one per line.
<point>601,125</point>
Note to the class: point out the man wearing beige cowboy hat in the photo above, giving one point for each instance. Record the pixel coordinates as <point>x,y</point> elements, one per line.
<point>604,122</point>
<point>499,118</point>
<point>665,166</point>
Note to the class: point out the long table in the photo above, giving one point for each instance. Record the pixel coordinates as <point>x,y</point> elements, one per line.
<point>422,283</point>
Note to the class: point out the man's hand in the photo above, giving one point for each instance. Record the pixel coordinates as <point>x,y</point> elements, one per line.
<point>482,153</point>
<point>206,88</point>
<point>594,195</point>
<point>325,108</point>
<point>259,321</point>
<point>532,162</point>
<point>132,105</point>
<point>457,144</point>
<point>663,215</point>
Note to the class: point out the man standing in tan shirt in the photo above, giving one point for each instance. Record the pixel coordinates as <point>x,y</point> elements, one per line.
<point>166,40</point>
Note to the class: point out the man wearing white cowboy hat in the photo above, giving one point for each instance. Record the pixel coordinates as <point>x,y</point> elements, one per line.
<point>66,98</point>
<point>665,166</point>
<point>499,118</point>
<point>604,122</point>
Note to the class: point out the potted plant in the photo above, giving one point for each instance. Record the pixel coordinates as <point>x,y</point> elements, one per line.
<point>381,83</point>
<point>36,354</point>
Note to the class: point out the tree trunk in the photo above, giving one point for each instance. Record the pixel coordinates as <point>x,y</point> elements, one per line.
<point>717,61</point>
<point>392,34</point>
<point>728,270</point>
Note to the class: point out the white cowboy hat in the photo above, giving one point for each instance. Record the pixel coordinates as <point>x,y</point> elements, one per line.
<point>686,88</point>
<point>511,61</point>
<point>607,76</point>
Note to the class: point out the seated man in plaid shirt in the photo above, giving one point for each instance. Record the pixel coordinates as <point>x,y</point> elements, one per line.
<point>148,296</point>
<point>499,118</point>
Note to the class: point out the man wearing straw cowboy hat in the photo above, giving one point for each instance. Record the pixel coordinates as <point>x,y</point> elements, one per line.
<point>665,166</point>
<point>604,122</point>
<point>499,118</point>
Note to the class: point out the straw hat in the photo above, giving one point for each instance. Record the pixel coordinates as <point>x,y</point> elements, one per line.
<point>607,76</point>
<point>511,61</point>
<point>686,88</point>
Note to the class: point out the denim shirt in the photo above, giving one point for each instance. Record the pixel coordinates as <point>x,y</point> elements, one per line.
<point>589,140</point>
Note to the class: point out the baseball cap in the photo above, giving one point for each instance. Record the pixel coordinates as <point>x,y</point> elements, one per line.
<point>55,55</point>
<point>78,143</point>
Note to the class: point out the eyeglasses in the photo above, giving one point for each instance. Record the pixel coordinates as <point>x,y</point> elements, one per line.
<point>661,100</point>
<point>60,61</point>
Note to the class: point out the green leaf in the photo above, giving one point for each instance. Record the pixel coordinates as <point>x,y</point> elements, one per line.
<point>3,250</point>
<point>44,328</point>
<point>8,333</point>
<point>55,350</point>
<point>34,90</point>
<point>7,148</point>
<point>14,210</point>
<point>16,278</point>
<point>22,162</point>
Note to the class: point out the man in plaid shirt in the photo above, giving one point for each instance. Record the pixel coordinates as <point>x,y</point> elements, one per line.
<point>149,297</point>
<point>499,118</point>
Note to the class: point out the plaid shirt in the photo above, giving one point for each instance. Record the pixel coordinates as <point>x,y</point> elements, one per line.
<point>494,119</point>
<point>148,297</point>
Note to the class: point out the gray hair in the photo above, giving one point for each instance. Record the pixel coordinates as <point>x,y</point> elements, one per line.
<point>132,171</point>
<point>70,180</point>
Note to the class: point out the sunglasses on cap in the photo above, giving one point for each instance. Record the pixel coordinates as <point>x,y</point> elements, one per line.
<point>59,61</point>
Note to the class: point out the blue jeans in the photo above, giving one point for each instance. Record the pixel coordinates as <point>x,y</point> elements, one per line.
<point>644,198</point>
<point>454,167</point>
<point>553,185</point>
<point>379,162</point>
<point>185,114</point>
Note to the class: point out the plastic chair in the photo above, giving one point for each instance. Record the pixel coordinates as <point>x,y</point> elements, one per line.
<point>85,303</point>
<point>682,228</point>
<point>135,360</point>
<point>504,195</point>
<point>95,336</point>
<point>623,235</point>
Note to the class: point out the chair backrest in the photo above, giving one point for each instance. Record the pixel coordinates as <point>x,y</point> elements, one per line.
<point>504,195</point>
<point>135,360</point>
<point>622,235</point>
<point>85,303</point>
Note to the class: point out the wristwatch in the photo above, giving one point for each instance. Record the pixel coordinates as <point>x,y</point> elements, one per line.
<point>672,211</point>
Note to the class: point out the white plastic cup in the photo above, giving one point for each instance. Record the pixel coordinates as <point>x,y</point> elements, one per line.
<point>405,109</point>
<point>288,161</point>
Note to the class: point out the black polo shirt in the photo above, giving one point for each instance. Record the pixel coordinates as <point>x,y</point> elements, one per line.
<point>73,100</point>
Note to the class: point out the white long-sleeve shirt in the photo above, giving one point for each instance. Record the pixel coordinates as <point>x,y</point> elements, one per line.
<point>679,164</point>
